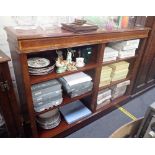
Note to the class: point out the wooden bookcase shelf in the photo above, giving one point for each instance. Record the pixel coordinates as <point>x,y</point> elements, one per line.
<point>66,100</point>
<point>54,75</point>
<point>114,102</point>
<point>118,60</point>
<point>114,83</point>
<point>24,43</point>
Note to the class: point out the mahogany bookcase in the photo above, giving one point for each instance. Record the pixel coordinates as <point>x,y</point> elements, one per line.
<point>23,44</point>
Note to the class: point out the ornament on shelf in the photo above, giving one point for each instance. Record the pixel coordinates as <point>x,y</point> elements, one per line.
<point>60,63</point>
<point>80,62</point>
<point>69,55</point>
<point>63,65</point>
<point>71,67</point>
<point>71,64</point>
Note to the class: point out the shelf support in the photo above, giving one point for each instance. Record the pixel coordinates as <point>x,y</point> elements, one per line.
<point>100,52</point>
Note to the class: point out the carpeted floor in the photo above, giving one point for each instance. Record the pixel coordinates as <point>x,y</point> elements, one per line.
<point>105,126</point>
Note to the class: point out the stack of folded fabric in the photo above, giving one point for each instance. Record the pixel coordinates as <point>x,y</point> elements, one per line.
<point>119,89</point>
<point>105,77</point>
<point>119,70</point>
<point>125,48</point>
<point>46,95</point>
<point>74,111</point>
<point>76,84</point>
<point>110,54</point>
<point>49,119</point>
<point>103,98</point>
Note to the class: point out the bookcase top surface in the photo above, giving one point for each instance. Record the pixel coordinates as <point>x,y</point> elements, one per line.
<point>38,32</point>
<point>38,40</point>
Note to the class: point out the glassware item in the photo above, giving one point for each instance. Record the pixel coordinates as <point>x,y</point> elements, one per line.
<point>25,20</point>
<point>100,21</point>
<point>47,22</point>
<point>124,22</point>
<point>110,25</point>
<point>86,53</point>
<point>132,20</point>
<point>140,21</point>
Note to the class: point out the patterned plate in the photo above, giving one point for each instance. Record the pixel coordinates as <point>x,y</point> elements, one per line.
<point>38,62</point>
<point>40,70</point>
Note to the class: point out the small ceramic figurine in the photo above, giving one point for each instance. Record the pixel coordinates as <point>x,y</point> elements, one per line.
<point>71,64</point>
<point>60,63</point>
<point>69,56</point>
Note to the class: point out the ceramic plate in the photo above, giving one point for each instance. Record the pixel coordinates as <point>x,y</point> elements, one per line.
<point>38,62</point>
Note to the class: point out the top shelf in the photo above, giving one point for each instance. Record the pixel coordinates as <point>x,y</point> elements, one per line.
<point>38,41</point>
<point>38,32</point>
<point>54,75</point>
<point>118,60</point>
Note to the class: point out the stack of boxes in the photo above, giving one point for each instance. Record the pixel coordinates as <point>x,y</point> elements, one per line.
<point>119,89</point>
<point>125,48</point>
<point>46,95</point>
<point>119,70</point>
<point>110,54</point>
<point>76,84</point>
<point>103,97</point>
<point>114,72</point>
<point>105,77</point>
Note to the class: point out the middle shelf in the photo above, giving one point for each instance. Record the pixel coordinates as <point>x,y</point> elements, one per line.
<point>66,100</point>
<point>115,82</point>
<point>118,60</point>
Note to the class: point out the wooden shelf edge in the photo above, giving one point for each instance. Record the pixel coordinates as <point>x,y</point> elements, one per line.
<point>65,101</point>
<point>54,75</point>
<point>63,126</point>
<point>114,83</point>
<point>113,102</point>
<point>118,60</point>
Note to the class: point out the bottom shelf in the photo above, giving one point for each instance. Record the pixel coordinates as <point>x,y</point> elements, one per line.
<point>64,129</point>
<point>113,103</point>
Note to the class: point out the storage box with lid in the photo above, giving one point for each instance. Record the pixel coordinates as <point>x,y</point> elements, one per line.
<point>105,77</point>
<point>125,45</point>
<point>119,70</point>
<point>119,89</point>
